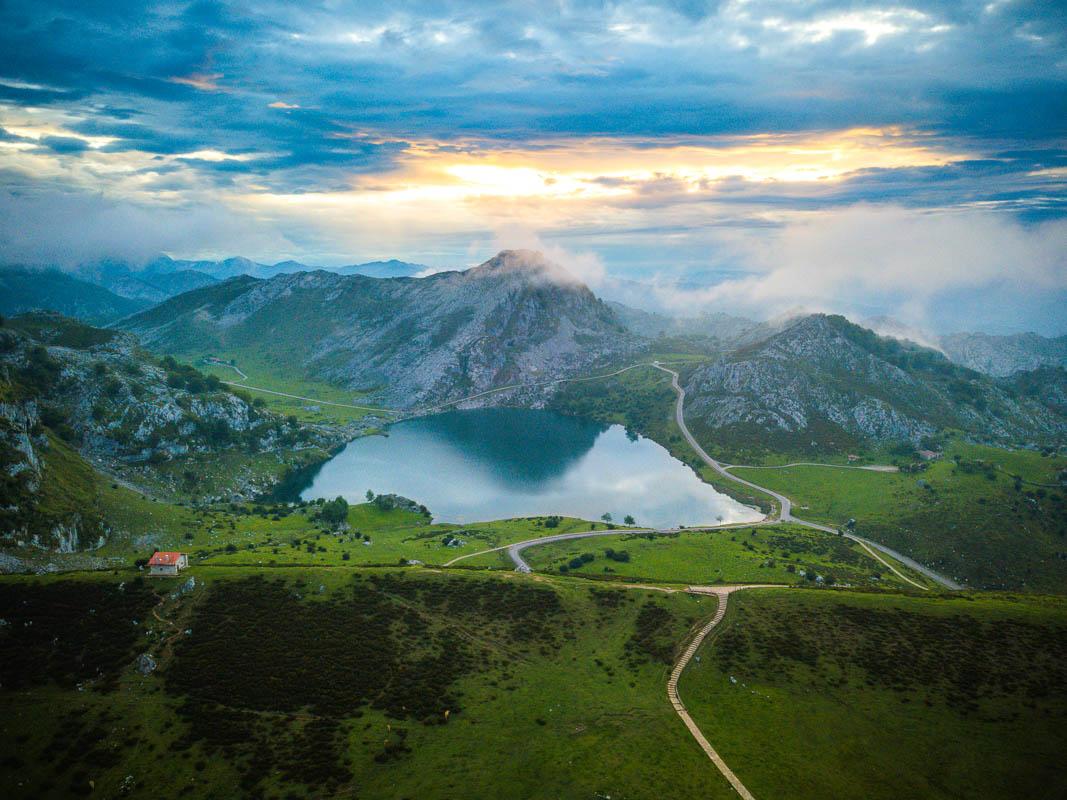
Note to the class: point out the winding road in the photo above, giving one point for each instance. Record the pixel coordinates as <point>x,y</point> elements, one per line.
<point>785,505</point>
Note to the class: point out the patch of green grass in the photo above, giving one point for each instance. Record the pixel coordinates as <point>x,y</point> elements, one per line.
<point>788,554</point>
<point>372,537</point>
<point>277,375</point>
<point>841,694</point>
<point>970,519</point>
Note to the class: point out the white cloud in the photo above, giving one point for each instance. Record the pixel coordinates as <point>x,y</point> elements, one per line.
<point>893,258</point>
<point>585,267</point>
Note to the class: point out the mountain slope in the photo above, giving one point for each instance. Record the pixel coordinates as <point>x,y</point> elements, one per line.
<point>824,380</point>
<point>157,281</point>
<point>515,318</point>
<point>1003,355</point>
<point>70,392</point>
<point>24,290</point>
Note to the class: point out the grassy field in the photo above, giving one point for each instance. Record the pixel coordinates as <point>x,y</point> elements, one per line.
<point>786,554</point>
<point>841,694</point>
<point>376,683</point>
<point>280,376</point>
<point>970,519</point>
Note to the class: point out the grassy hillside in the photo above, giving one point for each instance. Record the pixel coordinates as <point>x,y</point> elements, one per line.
<point>377,683</point>
<point>839,694</point>
<point>970,518</point>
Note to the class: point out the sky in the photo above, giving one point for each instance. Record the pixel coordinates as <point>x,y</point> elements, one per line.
<point>745,156</point>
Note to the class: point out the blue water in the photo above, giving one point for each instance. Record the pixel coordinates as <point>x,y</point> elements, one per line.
<point>470,466</point>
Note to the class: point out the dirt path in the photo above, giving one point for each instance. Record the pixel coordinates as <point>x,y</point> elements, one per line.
<point>722,593</point>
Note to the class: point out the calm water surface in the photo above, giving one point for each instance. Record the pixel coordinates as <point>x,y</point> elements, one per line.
<point>469,466</point>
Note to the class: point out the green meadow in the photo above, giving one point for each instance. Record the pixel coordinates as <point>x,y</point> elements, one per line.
<point>787,554</point>
<point>843,694</point>
<point>967,515</point>
<point>318,682</point>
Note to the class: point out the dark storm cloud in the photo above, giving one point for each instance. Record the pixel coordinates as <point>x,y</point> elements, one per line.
<point>207,71</point>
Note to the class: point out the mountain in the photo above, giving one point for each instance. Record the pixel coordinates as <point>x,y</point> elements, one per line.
<point>24,290</point>
<point>151,284</point>
<point>409,341</point>
<point>1003,355</point>
<point>824,379</point>
<point>71,394</point>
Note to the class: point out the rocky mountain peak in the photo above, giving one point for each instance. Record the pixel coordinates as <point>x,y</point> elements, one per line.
<point>526,264</point>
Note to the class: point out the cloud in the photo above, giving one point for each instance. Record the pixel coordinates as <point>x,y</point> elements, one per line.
<point>891,259</point>
<point>64,144</point>
<point>64,229</point>
<point>584,267</point>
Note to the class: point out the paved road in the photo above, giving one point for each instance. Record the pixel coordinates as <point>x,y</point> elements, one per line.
<point>784,514</point>
<point>440,406</point>
<point>722,593</point>
<point>785,506</point>
<point>234,367</point>
<point>553,382</point>
<point>314,400</point>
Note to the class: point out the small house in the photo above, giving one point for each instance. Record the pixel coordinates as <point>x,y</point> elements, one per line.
<point>167,563</point>
<point>929,455</point>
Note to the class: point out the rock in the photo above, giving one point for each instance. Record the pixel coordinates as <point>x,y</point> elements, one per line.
<point>146,665</point>
<point>188,586</point>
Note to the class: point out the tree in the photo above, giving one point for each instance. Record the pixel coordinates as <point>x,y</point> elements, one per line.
<point>629,519</point>
<point>370,496</point>
<point>606,517</point>
<point>334,512</point>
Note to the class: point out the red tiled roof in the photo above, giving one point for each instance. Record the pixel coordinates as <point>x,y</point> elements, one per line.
<point>164,559</point>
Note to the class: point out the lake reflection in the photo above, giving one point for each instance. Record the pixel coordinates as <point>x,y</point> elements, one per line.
<point>469,466</point>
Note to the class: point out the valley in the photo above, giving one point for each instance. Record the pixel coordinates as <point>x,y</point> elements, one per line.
<point>476,516</point>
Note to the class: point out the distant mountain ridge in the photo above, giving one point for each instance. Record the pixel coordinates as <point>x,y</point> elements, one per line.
<point>410,341</point>
<point>23,290</point>
<point>162,267</point>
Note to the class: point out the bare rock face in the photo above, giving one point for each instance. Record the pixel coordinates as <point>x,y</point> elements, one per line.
<point>413,342</point>
<point>824,373</point>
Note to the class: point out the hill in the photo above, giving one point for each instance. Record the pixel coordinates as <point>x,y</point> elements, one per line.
<point>71,395</point>
<point>823,379</point>
<point>515,318</point>
<point>23,290</point>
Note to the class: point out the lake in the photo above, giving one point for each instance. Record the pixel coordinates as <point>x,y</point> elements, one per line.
<point>485,464</point>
